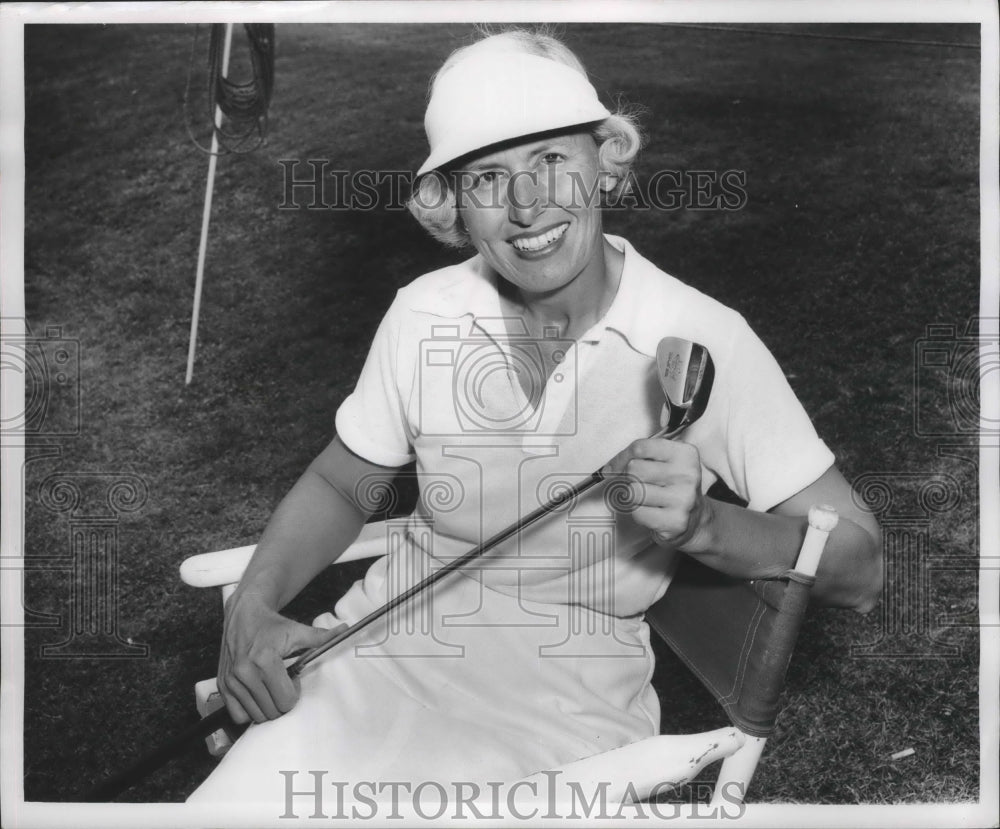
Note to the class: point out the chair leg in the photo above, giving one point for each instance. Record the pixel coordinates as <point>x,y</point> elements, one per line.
<point>208,699</point>
<point>737,772</point>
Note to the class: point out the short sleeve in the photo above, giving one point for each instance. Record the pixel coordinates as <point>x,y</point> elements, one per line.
<point>772,450</point>
<point>371,421</point>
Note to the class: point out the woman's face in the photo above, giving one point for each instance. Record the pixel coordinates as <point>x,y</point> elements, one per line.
<point>532,210</point>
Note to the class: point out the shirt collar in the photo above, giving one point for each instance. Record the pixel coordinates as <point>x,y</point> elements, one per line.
<point>629,315</point>
<point>469,289</point>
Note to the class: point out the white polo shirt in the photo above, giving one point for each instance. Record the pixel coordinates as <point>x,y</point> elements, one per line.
<point>439,386</point>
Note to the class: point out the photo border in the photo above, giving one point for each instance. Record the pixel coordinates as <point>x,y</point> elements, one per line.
<point>13,16</point>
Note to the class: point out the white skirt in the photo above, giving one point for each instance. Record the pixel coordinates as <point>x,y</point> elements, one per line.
<point>462,684</point>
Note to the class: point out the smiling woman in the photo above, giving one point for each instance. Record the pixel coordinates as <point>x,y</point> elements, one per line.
<point>527,216</point>
<point>505,377</point>
<point>469,116</point>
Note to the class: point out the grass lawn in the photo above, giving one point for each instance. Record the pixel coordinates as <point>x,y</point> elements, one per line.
<point>860,230</point>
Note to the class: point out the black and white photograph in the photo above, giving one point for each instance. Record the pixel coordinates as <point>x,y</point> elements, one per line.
<point>528,414</point>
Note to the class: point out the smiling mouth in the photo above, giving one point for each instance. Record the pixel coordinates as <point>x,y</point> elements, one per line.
<point>542,240</point>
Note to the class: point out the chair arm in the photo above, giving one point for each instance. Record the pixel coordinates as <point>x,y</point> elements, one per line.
<point>225,567</point>
<point>217,568</point>
<point>822,521</point>
<point>641,769</point>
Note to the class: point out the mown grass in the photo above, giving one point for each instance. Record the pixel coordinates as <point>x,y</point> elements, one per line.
<point>861,228</point>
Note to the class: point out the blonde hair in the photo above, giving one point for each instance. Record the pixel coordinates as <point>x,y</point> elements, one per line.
<point>618,138</point>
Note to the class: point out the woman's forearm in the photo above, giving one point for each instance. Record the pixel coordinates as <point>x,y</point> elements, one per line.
<point>311,527</point>
<point>316,521</point>
<point>749,545</point>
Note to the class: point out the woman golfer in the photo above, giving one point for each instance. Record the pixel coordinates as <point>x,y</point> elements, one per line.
<point>508,377</point>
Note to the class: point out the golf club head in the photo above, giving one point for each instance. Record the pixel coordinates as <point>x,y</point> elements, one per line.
<point>686,375</point>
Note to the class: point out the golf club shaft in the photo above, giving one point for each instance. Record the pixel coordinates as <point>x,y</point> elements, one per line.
<point>553,504</point>
<point>296,668</point>
<point>221,719</point>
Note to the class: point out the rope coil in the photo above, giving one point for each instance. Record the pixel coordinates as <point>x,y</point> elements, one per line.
<point>244,104</point>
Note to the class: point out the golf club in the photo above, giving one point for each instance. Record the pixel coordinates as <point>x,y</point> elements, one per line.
<point>686,374</point>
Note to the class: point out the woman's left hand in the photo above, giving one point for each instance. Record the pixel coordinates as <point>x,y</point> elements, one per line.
<point>666,491</point>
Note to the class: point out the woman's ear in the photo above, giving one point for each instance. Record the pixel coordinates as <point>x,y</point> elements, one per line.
<point>607,177</point>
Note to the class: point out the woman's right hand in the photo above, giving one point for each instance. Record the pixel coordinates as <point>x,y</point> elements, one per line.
<point>317,520</point>
<point>252,678</point>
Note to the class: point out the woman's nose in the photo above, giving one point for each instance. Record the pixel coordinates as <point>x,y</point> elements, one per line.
<point>525,198</point>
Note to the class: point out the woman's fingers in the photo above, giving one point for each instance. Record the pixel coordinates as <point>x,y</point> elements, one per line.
<point>239,701</point>
<point>663,473</point>
<point>283,690</point>
<point>304,636</point>
<point>257,685</point>
<point>278,692</point>
<point>671,473</point>
<point>653,449</point>
<point>261,683</point>
<point>666,487</point>
<point>243,684</point>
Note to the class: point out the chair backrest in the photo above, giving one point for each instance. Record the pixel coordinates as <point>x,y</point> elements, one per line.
<point>736,636</point>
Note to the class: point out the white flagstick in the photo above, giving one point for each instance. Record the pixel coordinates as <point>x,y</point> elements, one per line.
<point>206,214</point>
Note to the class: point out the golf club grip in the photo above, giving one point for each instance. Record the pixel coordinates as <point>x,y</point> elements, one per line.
<point>549,506</point>
<point>118,783</point>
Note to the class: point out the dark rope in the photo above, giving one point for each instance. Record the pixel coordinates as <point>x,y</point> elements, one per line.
<point>244,104</point>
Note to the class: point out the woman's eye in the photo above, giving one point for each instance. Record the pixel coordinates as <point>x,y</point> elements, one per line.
<point>479,180</point>
<point>487,178</point>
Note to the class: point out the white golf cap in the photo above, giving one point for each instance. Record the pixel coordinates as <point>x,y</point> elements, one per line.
<point>493,96</point>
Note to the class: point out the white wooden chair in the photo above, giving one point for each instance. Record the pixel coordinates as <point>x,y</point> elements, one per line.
<point>736,636</point>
